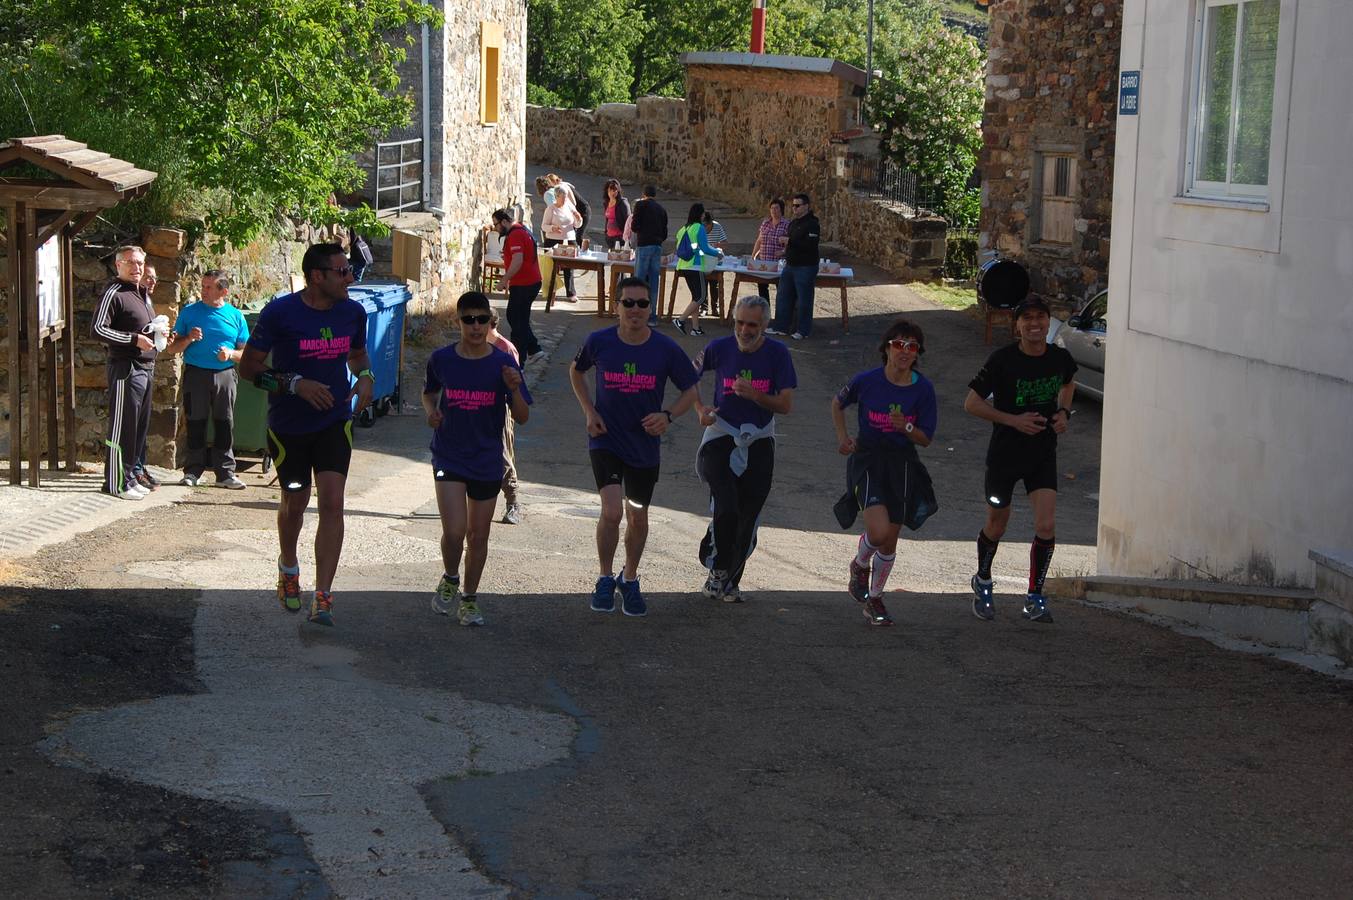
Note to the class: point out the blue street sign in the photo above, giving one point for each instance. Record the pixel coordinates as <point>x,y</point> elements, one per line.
<point>1129,83</point>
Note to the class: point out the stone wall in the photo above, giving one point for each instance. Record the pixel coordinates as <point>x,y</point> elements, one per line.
<point>889,235</point>
<point>1052,80</point>
<point>742,135</point>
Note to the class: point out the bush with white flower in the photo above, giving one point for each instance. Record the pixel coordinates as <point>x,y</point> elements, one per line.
<point>927,109</point>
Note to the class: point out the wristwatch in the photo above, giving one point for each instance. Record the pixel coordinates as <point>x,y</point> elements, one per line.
<point>668,414</point>
<point>1068,410</point>
<point>291,385</point>
<point>908,428</point>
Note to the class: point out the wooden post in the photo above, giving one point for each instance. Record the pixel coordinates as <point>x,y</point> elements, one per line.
<point>68,343</point>
<point>30,295</point>
<point>15,359</point>
<point>53,439</point>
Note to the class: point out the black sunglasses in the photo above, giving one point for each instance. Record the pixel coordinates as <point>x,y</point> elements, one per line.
<point>342,270</point>
<point>630,304</point>
<point>477,320</point>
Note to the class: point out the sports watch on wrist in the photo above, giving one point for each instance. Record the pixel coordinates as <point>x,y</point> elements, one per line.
<point>1068,410</point>
<point>908,428</point>
<point>668,414</point>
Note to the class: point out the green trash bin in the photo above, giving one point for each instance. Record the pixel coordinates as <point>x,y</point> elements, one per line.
<point>251,406</point>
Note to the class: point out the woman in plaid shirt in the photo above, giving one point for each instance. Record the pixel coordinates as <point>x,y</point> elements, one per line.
<point>770,239</point>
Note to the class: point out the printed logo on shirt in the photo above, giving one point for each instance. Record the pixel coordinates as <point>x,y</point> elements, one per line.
<point>1037,391</point>
<point>326,346</point>
<point>470,401</point>
<point>761,384</point>
<point>629,381</point>
<point>883,421</point>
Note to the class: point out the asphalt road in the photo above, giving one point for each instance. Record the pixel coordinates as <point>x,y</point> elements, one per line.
<point>187,738</point>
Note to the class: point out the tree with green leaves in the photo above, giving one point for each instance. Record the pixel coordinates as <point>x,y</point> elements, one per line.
<point>247,111</point>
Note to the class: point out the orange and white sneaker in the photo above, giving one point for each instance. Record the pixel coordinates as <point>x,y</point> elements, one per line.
<point>289,591</point>
<point>321,608</point>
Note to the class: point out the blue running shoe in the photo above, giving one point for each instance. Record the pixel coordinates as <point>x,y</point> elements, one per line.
<point>981,599</point>
<point>603,597</point>
<point>631,601</point>
<point>322,608</point>
<point>1036,609</point>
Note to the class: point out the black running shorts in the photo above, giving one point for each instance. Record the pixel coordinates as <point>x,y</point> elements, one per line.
<point>297,455</point>
<point>1037,475</point>
<point>608,469</point>
<point>475,490</point>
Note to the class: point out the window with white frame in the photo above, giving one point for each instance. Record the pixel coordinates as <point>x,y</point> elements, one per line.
<point>1231,121</point>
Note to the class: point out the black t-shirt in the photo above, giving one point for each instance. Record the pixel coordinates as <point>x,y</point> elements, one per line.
<point>1019,383</point>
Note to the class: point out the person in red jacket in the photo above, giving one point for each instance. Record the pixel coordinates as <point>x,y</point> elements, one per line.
<point>522,274</point>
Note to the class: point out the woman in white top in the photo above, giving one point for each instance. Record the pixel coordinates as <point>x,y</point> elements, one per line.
<point>558,225</point>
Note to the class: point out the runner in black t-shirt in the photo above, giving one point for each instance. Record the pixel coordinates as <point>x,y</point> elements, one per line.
<point>1025,391</point>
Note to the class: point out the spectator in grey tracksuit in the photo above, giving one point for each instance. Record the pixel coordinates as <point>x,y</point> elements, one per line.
<point>122,321</point>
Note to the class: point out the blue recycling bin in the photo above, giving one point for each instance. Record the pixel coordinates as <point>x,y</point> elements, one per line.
<point>385,308</point>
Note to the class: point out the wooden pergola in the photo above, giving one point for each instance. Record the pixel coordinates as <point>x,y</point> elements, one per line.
<point>78,184</point>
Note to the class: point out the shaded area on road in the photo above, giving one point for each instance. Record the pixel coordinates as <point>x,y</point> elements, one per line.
<point>69,833</point>
<point>784,748</point>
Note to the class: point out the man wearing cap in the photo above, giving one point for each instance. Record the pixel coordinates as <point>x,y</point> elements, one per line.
<point>1025,391</point>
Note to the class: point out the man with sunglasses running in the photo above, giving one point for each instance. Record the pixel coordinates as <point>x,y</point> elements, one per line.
<point>317,337</point>
<point>754,381</point>
<point>625,425</point>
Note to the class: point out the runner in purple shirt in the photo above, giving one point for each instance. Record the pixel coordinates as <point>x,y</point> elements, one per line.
<point>625,425</point>
<point>897,414</point>
<point>469,388</point>
<point>317,337</point>
<point>753,381</point>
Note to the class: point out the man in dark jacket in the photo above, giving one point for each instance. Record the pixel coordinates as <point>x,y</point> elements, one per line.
<point>799,276</point>
<point>122,321</point>
<point>647,227</point>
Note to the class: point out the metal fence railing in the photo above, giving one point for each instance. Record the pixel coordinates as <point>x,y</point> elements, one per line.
<point>399,176</point>
<point>877,177</point>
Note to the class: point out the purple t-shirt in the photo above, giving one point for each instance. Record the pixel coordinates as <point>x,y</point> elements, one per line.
<point>312,343</point>
<point>631,382</point>
<point>473,401</point>
<point>769,368</point>
<point>878,397</point>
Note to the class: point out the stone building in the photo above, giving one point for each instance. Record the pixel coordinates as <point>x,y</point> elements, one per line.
<point>751,127</point>
<point>1048,141</point>
<point>464,147</point>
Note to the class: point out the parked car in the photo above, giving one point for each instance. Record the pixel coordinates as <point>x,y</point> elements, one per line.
<point>1086,336</point>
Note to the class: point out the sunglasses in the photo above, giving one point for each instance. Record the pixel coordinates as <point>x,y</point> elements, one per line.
<point>342,271</point>
<point>477,320</point>
<point>907,344</point>
<point>630,304</point>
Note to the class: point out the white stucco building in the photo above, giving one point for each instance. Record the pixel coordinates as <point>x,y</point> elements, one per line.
<point>1228,425</point>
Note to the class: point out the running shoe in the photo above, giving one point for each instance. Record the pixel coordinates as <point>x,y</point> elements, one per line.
<point>289,591</point>
<point>731,594</point>
<point>468,612</point>
<point>322,608</point>
<point>679,325</point>
<point>533,357</point>
<point>631,600</point>
<point>603,596</point>
<point>981,599</point>
<point>776,331</point>
<point>714,584</point>
<point>231,483</point>
<point>858,586</point>
<point>798,336</point>
<point>146,482</point>
<point>512,515</point>
<point>191,480</point>
<point>697,331</point>
<point>135,492</point>
<point>446,595</point>
<point>875,612</point>
<point>1036,609</point>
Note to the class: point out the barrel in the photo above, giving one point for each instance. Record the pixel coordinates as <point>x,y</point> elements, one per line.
<point>1002,283</point>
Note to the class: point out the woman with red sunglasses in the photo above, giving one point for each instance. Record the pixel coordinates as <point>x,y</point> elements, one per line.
<point>885,479</point>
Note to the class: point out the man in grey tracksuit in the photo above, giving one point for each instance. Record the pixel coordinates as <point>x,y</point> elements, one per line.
<point>122,321</point>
